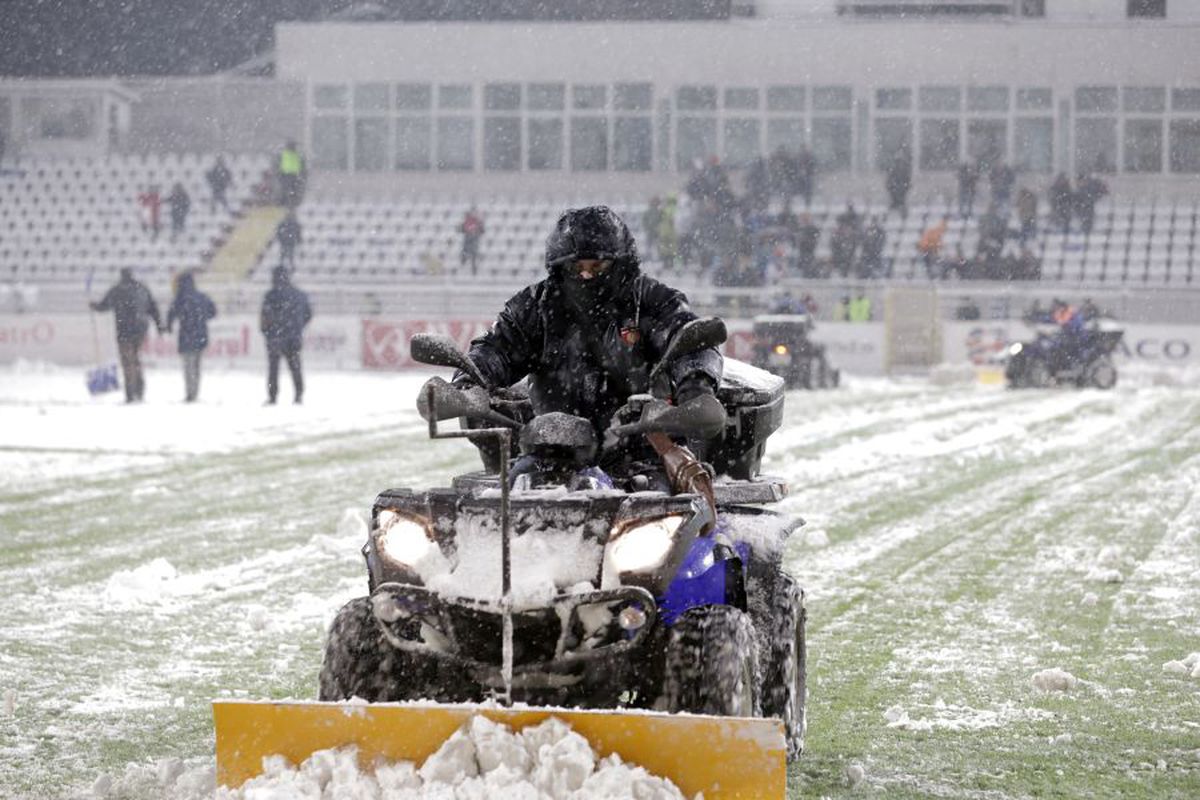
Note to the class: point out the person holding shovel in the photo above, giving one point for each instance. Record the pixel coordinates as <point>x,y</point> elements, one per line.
<point>132,306</point>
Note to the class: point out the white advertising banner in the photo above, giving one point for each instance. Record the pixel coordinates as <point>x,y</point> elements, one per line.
<point>70,339</point>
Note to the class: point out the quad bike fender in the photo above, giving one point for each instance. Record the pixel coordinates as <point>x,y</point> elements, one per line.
<point>712,573</point>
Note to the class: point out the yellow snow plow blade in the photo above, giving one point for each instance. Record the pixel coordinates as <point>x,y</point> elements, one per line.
<point>723,757</point>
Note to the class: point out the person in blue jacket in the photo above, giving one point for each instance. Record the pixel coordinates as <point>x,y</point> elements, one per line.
<point>193,308</point>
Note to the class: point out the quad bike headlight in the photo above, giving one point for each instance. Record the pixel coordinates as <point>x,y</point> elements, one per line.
<point>643,545</point>
<point>404,539</point>
<point>781,350</point>
<point>1015,348</point>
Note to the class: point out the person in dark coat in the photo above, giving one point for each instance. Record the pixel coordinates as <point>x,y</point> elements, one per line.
<point>181,203</point>
<point>898,181</point>
<point>588,335</point>
<point>472,230</point>
<point>806,246</point>
<point>289,234</point>
<point>285,313</point>
<point>219,178</point>
<point>133,307</point>
<point>1061,199</point>
<point>1088,191</point>
<point>193,308</point>
<point>968,182</point>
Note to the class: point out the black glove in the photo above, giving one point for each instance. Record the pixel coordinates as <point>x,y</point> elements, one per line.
<point>693,386</point>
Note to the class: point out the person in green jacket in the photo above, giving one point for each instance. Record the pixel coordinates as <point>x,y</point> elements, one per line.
<point>291,170</point>
<point>860,308</point>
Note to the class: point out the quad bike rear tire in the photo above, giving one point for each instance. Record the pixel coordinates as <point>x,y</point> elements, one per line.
<point>360,662</point>
<point>784,662</point>
<point>711,664</point>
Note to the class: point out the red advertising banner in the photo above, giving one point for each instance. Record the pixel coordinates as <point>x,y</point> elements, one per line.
<point>385,344</point>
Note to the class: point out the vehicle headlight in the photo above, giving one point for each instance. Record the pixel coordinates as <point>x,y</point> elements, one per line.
<point>404,539</point>
<point>1015,348</point>
<point>781,350</point>
<point>642,545</point>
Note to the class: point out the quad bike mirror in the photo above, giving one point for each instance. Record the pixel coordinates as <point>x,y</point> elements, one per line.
<point>698,334</point>
<point>441,351</point>
<point>702,417</point>
<point>441,400</point>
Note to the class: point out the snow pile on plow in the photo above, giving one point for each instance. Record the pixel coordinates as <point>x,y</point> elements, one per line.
<point>482,759</point>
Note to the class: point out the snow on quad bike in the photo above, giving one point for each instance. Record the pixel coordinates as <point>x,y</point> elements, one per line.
<point>579,588</point>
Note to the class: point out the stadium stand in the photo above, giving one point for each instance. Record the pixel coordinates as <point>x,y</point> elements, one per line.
<point>62,218</point>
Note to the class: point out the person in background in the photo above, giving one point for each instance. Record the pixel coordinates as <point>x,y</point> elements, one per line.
<point>219,179</point>
<point>807,237</point>
<point>1002,177</point>
<point>133,307</point>
<point>841,311</point>
<point>193,308</point>
<point>668,233</point>
<point>150,202</point>
<point>968,181</point>
<point>651,223</point>
<point>289,234</point>
<point>1027,212</point>
<point>873,240</point>
<point>472,231</point>
<point>967,310</point>
<point>181,203</point>
<point>860,308</point>
<point>285,313</point>
<point>291,171</point>
<point>898,181</point>
<point>1061,199</point>
<point>930,246</point>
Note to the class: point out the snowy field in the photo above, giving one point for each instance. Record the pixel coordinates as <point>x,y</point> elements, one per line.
<point>1003,588</point>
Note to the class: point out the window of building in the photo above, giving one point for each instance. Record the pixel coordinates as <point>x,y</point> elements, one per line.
<point>832,138</point>
<point>1153,9</point>
<point>1185,99</point>
<point>987,98</point>
<point>330,142</point>
<point>372,97</point>
<point>1143,145</point>
<point>786,133</point>
<point>502,143</point>
<point>1030,99</point>
<point>633,148</point>
<point>742,141</point>
<point>455,96</point>
<point>633,97</point>
<point>414,97</point>
<point>832,98</point>
<point>589,143</point>
<point>939,98</point>
<point>1095,99</point>
<point>502,97</point>
<point>1032,8</point>
<point>893,99</point>
<point>329,97</point>
<point>738,99</point>
<point>1185,146</point>
<point>1095,144</point>
<point>893,136</point>
<point>455,143</point>
<point>1033,144</point>
<point>987,140</point>
<point>695,140</point>
<point>67,118</point>
<point>545,143</point>
<point>1144,99</point>
<point>939,144</point>
<point>590,97</point>
<point>412,143</point>
<point>786,98</point>
<point>370,144</point>
<point>545,96</point>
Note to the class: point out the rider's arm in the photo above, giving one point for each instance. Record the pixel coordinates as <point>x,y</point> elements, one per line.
<point>664,311</point>
<point>508,351</point>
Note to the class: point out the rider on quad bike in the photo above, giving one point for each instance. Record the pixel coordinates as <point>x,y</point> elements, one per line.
<point>677,599</point>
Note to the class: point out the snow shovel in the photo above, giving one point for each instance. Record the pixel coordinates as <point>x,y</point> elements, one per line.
<point>103,377</point>
<point>723,757</point>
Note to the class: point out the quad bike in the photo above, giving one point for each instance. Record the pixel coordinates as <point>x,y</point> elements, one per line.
<point>1057,357</point>
<point>665,600</point>
<point>782,346</point>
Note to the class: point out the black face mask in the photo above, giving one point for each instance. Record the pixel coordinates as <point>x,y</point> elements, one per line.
<point>591,296</point>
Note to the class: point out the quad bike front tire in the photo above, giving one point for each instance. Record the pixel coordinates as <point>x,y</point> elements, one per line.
<point>711,664</point>
<point>360,662</point>
<point>1037,374</point>
<point>1102,374</point>
<point>784,662</point>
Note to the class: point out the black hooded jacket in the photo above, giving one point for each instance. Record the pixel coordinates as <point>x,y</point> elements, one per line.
<point>586,356</point>
<point>133,307</point>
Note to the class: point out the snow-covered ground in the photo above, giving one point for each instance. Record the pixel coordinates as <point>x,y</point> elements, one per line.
<point>1002,586</point>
